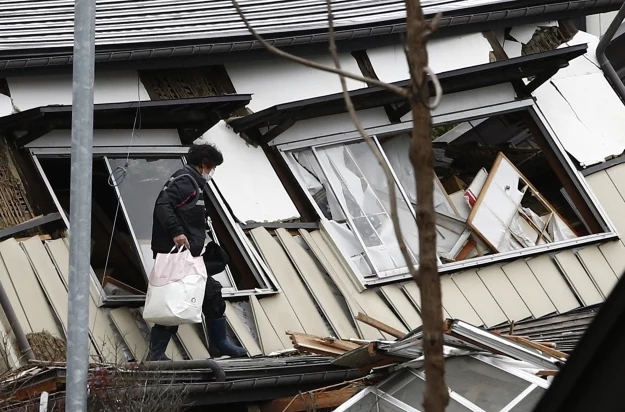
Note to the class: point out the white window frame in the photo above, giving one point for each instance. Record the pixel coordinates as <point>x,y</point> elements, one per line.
<point>528,105</point>
<point>106,152</point>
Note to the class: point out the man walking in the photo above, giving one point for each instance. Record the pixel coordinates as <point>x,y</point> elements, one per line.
<point>180,220</point>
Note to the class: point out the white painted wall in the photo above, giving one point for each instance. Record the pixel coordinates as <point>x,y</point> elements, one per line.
<point>110,87</point>
<point>330,125</point>
<point>583,110</point>
<point>275,81</point>
<point>597,24</point>
<point>112,138</point>
<point>446,54</point>
<point>247,180</point>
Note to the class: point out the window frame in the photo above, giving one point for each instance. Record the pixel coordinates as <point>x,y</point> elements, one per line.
<point>286,151</point>
<point>259,269</point>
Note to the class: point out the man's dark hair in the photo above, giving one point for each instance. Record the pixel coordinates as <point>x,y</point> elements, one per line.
<point>204,154</point>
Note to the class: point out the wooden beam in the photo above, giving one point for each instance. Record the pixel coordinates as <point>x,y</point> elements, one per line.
<point>29,224</point>
<point>380,325</point>
<point>551,352</point>
<point>310,400</point>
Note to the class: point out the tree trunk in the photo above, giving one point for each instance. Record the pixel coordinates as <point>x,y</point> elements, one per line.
<point>422,158</point>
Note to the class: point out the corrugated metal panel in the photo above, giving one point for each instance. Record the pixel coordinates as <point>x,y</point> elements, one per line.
<point>44,24</point>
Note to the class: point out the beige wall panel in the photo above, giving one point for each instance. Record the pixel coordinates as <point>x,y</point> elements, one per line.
<point>479,297</point>
<point>400,302</point>
<point>456,304</point>
<point>504,293</point>
<point>241,331</point>
<point>579,278</point>
<point>528,287</point>
<point>598,268</point>
<point>556,287</point>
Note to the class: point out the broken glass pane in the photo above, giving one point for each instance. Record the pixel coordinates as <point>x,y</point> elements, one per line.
<point>484,385</point>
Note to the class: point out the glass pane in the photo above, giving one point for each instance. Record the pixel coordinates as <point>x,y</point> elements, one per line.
<point>373,403</point>
<point>359,182</point>
<point>530,401</point>
<point>144,179</point>
<point>305,166</point>
<point>488,387</point>
<point>397,150</point>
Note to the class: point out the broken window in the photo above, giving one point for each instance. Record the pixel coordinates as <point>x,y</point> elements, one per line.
<point>497,189</point>
<point>124,191</point>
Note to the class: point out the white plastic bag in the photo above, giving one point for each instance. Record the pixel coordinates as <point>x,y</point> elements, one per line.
<point>176,289</point>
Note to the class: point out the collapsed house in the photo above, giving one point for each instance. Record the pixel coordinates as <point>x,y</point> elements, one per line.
<point>529,198</point>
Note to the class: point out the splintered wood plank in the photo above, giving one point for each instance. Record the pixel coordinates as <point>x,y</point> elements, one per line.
<point>553,283</point>
<point>241,331</point>
<point>102,334</point>
<point>291,284</point>
<point>456,304</point>
<point>414,296</point>
<point>192,342</point>
<point>578,277</point>
<point>479,297</point>
<point>130,332</point>
<point>172,352</point>
<point>598,268</point>
<point>614,253</point>
<point>609,188</point>
<point>504,293</point>
<point>335,270</point>
<point>396,297</point>
<point>49,278</point>
<point>32,298</point>
<point>528,287</point>
<point>269,339</point>
<point>317,282</point>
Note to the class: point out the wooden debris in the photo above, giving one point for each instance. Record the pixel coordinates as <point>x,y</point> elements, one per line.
<point>321,346</point>
<point>379,325</point>
<point>310,401</point>
<point>46,347</point>
<point>543,348</point>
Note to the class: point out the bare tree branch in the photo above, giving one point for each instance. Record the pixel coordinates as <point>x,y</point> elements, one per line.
<point>309,63</point>
<point>422,158</point>
<point>372,145</point>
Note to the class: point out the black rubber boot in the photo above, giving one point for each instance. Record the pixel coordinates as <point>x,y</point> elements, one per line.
<point>219,340</point>
<point>159,339</point>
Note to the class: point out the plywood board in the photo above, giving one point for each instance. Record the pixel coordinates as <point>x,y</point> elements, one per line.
<point>598,268</point>
<point>192,343</point>
<point>479,297</point>
<point>398,300</point>
<point>28,289</point>
<point>528,287</point>
<point>130,332</point>
<point>504,293</point>
<point>241,331</point>
<point>103,336</point>
<point>49,278</point>
<point>612,199</point>
<point>291,284</point>
<point>614,253</point>
<point>578,278</point>
<point>369,301</point>
<point>269,339</point>
<point>331,264</point>
<point>553,283</point>
<point>414,296</point>
<point>456,304</point>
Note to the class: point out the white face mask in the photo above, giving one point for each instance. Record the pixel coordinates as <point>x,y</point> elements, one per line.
<point>208,176</point>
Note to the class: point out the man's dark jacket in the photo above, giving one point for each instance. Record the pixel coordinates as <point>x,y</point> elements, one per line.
<point>180,210</point>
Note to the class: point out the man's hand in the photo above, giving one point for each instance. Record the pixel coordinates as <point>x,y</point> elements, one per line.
<point>181,240</point>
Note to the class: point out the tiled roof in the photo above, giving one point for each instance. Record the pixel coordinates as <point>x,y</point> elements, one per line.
<point>27,24</point>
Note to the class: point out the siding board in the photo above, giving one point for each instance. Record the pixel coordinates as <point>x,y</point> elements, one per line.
<point>479,297</point>
<point>553,283</point>
<point>528,287</point>
<point>579,278</point>
<point>504,293</point>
